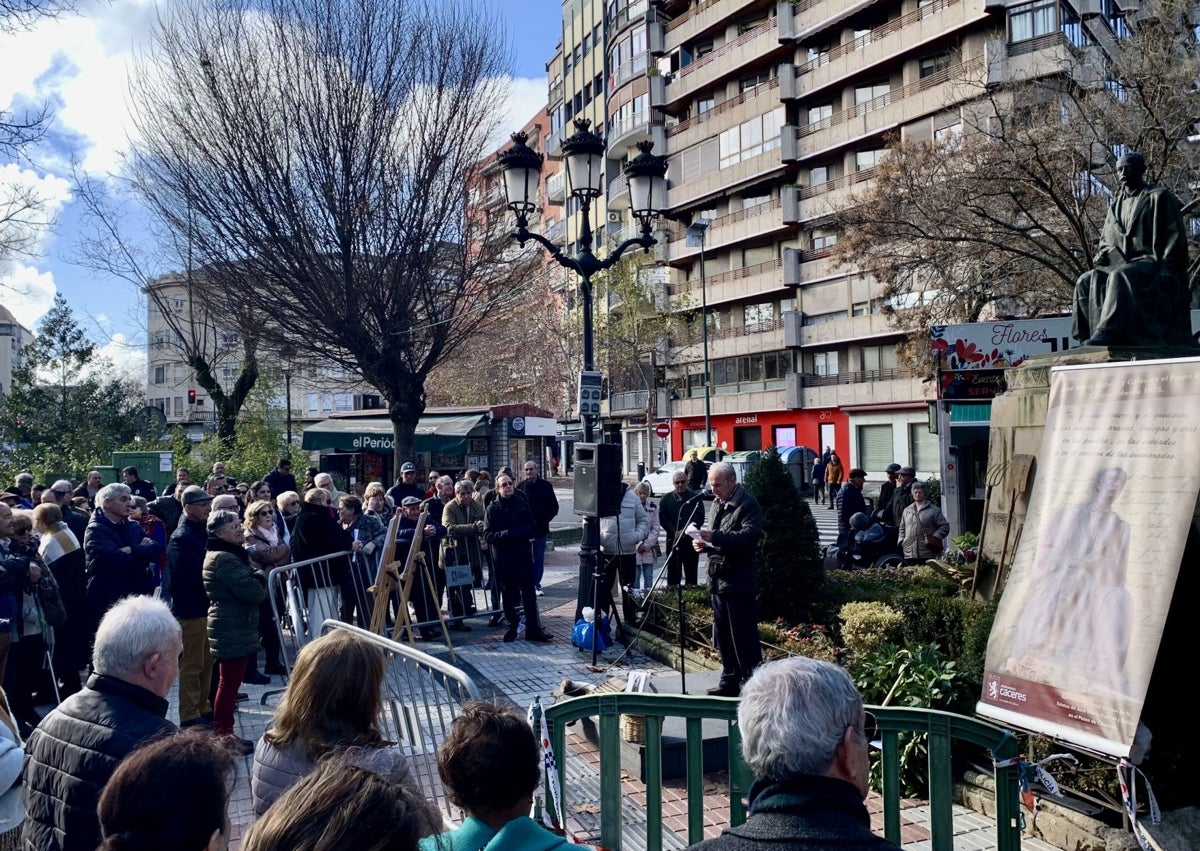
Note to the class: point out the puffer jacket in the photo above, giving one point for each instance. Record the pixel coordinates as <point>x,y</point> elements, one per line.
<point>113,574</point>
<point>650,539</point>
<point>184,580</point>
<point>74,751</point>
<point>234,590</point>
<point>621,534</point>
<point>277,769</point>
<point>914,526</point>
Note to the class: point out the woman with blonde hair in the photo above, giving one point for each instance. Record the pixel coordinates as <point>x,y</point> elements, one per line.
<point>267,549</point>
<point>331,705</point>
<point>63,554</point>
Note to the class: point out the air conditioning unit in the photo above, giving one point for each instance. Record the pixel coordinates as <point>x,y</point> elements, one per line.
<point>614,218</point>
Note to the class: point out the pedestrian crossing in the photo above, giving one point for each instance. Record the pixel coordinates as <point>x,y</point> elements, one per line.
<point>826,523</point>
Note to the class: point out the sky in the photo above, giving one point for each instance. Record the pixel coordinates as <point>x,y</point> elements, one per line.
<point>78,65</point>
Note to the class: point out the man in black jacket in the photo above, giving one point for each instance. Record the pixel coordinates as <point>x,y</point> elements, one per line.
<point>422,594</point>
<point>805,737</point>
<point>280,480</point>
<point>731,545</point>
<point>184,587</point>
<point>78,745</point>
<point>508,528</point>
<point>168,508</point>
<point>539,493</point>
<point>850,501</point>
<point>676,511</point>
<point>138,487</point>
<point>118,553</point>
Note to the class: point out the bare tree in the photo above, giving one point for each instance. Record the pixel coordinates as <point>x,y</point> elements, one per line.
<point>205,333</point>
<point>1000,215</point>
<point>323,150</point>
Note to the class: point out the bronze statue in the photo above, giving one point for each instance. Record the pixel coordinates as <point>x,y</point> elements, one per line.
<point>1137,292</point>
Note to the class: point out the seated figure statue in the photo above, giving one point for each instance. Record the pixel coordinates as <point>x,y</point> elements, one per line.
<point>1137,291</point>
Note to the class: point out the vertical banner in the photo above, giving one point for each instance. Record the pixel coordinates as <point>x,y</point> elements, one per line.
<point>1078,628</point>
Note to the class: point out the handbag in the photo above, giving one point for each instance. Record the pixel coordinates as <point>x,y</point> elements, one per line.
<point>50,600</point>
<point>934,543</point>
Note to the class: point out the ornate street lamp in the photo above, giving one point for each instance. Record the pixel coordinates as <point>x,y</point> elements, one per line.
<point>585,154</point>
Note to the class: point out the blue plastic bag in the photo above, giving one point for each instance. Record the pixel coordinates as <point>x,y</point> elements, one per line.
<point>581,635</point>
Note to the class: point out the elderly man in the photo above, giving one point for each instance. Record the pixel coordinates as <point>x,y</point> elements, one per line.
<point>325,482</point>
<point>23,485</point>
<point>60,494</point>
<point>508,527</point>
<point>539,493</point>
<point>423,597</point>
<point>90,488</point>
<point>730,545</point>
<point>216,485</point>
<point>883,511</point>
<point>805,737</point>
<point>676,511</point>
<point>167,507</point>
<point>77,746</point>
<point>118,554</point>
<point>850,501</point>
<point>184,586</point>
<point>462,518</point>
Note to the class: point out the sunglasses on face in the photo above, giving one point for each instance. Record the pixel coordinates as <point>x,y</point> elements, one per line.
<point>266,513</point>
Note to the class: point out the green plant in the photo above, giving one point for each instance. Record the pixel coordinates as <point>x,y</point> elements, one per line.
<point>868,626</point>
<point>781,640</point>
<point>933,487</point>
<point>913,675</point>
<point>788,562</point>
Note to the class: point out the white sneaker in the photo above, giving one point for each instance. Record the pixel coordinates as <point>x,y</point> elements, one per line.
<point>539,592</point>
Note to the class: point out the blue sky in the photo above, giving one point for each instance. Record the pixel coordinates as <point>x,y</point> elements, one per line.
<point>79,65</point>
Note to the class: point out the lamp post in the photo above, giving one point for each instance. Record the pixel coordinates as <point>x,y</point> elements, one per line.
<point>696,233</point>
<point>646,177</point>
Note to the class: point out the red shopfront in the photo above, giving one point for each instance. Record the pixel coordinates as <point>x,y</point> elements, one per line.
<point>741,432</point>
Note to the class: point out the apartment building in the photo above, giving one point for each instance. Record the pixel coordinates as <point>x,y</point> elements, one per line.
<point>773,114</point>
<point>177,322</point>
<point>13,338</point>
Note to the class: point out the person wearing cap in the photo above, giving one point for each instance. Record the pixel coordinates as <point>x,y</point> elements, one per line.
<point>407,486</point>
<point>9,498</point>
<point>886,491</point>
<point>902,498</point>
<point>509,530</point>
<point>183,587</point>
<point>423,595</point>
<point>850,501</point>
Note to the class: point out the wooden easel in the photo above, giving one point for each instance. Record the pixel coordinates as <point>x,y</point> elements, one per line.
<point>391,572</point>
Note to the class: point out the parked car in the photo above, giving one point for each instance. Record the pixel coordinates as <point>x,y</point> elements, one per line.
<point>660,480</point>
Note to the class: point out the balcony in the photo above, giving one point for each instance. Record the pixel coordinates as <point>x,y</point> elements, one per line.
<point>804,18</point>
<point>853,389</point>
<point>754,45</point>
<point>870,118</point>
<point>557,232</point>
<point>726,114</point>
<point>702,17</point>
<point>631,402</point>
<point>734,399</point>
<point>731,228</point>
<point>636,128</point>
<point>631,11</point>
<point>802,204</point>
<point>808,266</point>
<point>869,326</point>
<point>1045,55</point>
<point>725,180</point>
<point>556,187</point>
<point>626,71</point>
<point>898,36</point>
<point>555,95</point>
<point>739,340</point>
<point>737,284</point>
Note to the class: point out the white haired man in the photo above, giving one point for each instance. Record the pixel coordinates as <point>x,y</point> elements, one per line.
<point>75,748</point>
<point>730,545</point>
<point>805,737</point>
<point>60,494</point>
<point>118,554</point>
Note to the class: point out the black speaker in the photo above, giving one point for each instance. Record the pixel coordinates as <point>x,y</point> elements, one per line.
<point>598,488</point>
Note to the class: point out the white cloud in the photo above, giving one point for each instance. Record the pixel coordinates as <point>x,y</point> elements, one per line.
<point>526,98</point>
<point>128,359</point>
<point>27,292</point>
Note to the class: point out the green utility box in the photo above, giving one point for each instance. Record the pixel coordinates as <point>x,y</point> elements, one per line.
<point>157,468</point>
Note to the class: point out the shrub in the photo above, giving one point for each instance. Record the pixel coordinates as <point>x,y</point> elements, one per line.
<point>917,676</point>
<point>868,626</point>
<point>788,561</point>
<point>812,640</point>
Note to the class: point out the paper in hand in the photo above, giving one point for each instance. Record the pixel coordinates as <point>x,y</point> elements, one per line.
<point>693,532</point>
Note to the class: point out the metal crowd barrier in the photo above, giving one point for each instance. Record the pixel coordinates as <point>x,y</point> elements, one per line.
<point>422,695</point>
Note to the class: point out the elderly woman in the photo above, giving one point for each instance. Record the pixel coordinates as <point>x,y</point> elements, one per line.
<point>267,549</point>
<point>331,707</point>
<point>152,527</point>
<point>25,674</point>
<point>377,503</point>
<point>235,588</point>
<point>647,548</point>
<point>463,519</point>
<point>288,504</point>
<point>61,552</point>
<point>368,535</point>
<point>923,527</point>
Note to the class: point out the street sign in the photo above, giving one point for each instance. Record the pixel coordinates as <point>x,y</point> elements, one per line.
<point>663,430</point>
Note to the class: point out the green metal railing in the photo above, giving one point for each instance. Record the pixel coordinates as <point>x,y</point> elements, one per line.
<point>942,729</point>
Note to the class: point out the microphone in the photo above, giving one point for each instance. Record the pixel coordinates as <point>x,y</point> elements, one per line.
<point>706,494</point>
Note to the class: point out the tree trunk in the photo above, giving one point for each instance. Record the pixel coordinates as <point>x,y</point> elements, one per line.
<point>404,419</point>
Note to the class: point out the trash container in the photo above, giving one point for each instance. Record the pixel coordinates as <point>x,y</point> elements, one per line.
<point>799,461</point>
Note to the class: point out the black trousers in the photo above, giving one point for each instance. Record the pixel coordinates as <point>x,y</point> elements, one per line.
<point>683,562</point>
<point>735,633</point>
<point>519,591</point>
<point>624,569</point>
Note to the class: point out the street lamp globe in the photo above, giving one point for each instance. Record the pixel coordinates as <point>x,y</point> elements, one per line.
<point>647,178</point>
<point>521,166</point>
<point>584,152</point>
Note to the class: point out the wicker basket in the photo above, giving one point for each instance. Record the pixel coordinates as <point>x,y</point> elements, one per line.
<point>633,729</point>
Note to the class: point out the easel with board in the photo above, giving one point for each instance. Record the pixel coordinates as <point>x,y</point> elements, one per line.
<point>392,575</point>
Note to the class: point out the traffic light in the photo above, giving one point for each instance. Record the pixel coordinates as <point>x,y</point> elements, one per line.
<point>191,397</point>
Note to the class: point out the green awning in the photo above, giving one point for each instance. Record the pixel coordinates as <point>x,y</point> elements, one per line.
<point>970,412</point>
<point>446,435</point>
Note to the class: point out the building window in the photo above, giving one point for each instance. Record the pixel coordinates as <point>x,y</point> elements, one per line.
<point>160,375</point>
<point>820,114</point>
<point>751,138</point>
<point>752,84</point>
<point>825,363</point>
<point>878,357</point>
<point>1032,20</point>
<point>755,315</point>
<point>864,160</point>
<point>924,447</point>
<point>179,406</point>
<point>875,449</point>
<point>704,104</point>
<point>869,98</point>
<point>933,65</point>
<point>824,241</point>
<point>818,175</point>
